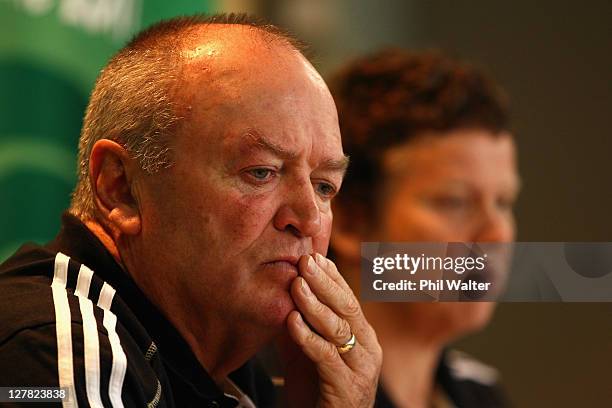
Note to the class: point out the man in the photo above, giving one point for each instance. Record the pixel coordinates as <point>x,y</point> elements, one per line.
<point>209,155</point>
<point>432,160</point>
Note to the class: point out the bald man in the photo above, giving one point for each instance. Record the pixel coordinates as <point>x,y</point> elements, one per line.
<point>208,159</point>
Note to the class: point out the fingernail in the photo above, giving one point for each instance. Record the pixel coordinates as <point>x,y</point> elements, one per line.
<point>304,287</point>
<point>299,320</point>
<point>320,259</point>
<point>312,267</point>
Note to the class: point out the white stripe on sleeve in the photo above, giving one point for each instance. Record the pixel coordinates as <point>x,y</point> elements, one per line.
<point>63,329</point>
<point>83,281</point>
<point>90,337</point>
<point>119,359</point>
<point>106,296</point>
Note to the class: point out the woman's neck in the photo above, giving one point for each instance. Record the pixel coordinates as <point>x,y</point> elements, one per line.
<point>411,355</point>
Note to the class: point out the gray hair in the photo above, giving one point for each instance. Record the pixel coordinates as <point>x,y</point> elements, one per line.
<point>133,101</point>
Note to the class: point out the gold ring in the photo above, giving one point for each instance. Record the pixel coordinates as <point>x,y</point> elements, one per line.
<point>348,346</point>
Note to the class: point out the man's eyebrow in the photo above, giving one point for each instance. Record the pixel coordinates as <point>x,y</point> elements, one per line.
<point>253,137</point>
<point>336,165</point>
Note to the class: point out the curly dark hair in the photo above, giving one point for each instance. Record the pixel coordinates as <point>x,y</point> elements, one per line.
<point>391,97</point>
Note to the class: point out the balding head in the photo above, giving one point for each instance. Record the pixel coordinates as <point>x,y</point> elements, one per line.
<point>138,100</point>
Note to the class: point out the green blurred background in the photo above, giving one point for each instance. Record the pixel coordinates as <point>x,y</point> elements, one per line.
<point>553,57</point>
<point>50,54</point>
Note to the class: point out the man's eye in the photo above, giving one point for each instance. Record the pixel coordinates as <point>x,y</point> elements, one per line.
<point>261,173</point>
<point>325,189</point>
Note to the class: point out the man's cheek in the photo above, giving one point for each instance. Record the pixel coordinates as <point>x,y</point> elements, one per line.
<point>320,242</point>
<point>248,214</point>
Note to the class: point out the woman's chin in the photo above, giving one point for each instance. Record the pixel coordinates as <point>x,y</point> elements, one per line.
<point>471,316</point>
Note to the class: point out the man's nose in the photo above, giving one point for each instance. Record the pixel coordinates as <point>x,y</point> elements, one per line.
<point>299,212</point>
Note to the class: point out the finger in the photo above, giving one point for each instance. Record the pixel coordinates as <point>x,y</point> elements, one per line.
<point>318,350</point>
<point>325,354</point>
<point>331,270</point>
<point>320,317</point>
<point>340,300</point>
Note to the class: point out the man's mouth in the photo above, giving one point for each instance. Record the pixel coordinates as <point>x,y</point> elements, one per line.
<point>293,260</point>
<point>284,265</point>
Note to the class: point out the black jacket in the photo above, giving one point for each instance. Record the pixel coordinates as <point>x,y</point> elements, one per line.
<point>70,316</point>
<point>464,382</point>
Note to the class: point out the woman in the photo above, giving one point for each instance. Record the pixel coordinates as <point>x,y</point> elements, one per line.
<point>432,160</point>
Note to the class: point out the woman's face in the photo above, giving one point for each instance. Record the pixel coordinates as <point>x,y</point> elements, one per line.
<point>459,186</point>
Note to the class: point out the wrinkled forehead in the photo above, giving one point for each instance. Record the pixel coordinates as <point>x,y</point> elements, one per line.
<point>235,82</point>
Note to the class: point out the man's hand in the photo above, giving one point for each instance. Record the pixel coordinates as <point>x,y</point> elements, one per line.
<point>327,316</point>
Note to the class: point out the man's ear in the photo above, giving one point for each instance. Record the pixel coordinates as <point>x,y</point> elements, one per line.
<point>346,239</point>
<point>112,174</point>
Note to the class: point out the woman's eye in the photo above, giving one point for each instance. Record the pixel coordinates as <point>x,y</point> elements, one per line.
<point>505,204</point>
<point>450,202</point>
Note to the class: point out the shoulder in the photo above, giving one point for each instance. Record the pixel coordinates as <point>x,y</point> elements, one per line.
<point>469,382</point>
<point>464,367</point>
<point>41,287</point>
<point>95,365</point>
<point>62,326</point>
<point>25,284</point>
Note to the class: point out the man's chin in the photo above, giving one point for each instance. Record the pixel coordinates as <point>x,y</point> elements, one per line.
<point>276,311</point>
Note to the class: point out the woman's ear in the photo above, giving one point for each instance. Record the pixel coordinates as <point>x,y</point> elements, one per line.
<point>112,173</point>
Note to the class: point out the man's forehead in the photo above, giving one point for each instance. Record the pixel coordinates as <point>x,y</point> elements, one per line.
<point>227,61</point>
<point>256,87</point>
